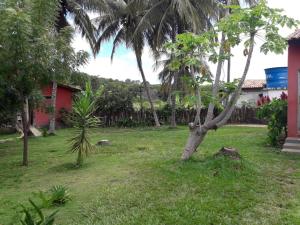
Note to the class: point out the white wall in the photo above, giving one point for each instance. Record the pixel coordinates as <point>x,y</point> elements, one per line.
<point>250,97</point>
<point>274,93</point>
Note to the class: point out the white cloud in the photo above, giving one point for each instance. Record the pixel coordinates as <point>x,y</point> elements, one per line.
<point>124,65</point>
<point>121,68</point>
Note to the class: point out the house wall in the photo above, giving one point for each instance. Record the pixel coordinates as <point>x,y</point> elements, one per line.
<point>63,100</point>
<point>274,93</point>
<point>248,97</point>
<point>293,69</point>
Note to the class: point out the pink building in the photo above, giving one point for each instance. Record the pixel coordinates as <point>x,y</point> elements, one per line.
<point>64,99</point>
<point>292,143</point>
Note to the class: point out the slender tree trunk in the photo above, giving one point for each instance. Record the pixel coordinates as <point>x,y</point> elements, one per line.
<point>139,62</point>
<point>25,123</point>
<point>229,67</point>
<point>229,59</point>
<point>173,100</point>
<point>79,159</point>
<point>53,108</point>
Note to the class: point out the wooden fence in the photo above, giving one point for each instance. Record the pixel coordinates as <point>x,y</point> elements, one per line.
<point>183,116</point>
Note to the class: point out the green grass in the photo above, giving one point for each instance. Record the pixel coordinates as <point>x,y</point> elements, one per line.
<point>139,179</point>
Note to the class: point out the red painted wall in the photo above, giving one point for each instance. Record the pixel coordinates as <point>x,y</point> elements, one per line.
<point>63,100</point>
<point>293,69</point>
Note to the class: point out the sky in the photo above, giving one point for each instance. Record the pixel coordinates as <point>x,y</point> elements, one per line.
<point>124,64</point>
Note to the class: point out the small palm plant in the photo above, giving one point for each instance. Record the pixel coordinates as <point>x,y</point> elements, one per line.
<point>29,217</point>
<point>59,195</point>
<point>82,118</point>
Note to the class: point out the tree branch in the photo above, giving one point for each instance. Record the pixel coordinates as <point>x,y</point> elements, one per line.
<point>225,115</point>
<point>216,85</point>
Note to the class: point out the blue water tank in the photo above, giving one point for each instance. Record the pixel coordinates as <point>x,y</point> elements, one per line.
<point>277,77</point>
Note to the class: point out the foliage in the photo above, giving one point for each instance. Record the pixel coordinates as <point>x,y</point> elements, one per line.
<point>44,132</point>
<point>127,122</point>
<point>32,53</point>
<point>275,113</point>
<point>189,48</point>
<point>84,107</point>
<point>64,116</point>
<point>29,217</point>
<point>116,97</point>
<point>59,195</point>
<point>240,27</point>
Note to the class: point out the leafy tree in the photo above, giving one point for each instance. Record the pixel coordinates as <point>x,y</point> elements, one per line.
<point>116,98</point>
<point>63,66</point>
<point>240,23</point>
<point>82,118</point>
<point>25,50</point>
<point>31,53</point>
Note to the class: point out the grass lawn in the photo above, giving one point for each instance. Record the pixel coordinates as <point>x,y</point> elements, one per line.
<point>139,179</point>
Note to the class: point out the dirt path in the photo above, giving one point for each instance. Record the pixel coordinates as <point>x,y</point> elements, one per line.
<point>247,125</point>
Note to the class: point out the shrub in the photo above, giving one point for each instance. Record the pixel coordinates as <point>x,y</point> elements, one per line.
<point>275,113</point>
<point>127,122</point>
<point>59,195</point>
<point>64,117</point>
<point>56,196</point>
<point>44,131</point>
<point>29,217</point>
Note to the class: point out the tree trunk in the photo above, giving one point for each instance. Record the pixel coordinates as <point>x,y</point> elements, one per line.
<point>139,63</point>
<point>25,119</point>
<point>53,108</point>
<point>79,159</point>
<point>173,100</point>
<point>229,67</point>
<point>194,140</point>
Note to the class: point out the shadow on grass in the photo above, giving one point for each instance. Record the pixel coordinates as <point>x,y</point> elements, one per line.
<point>65,167</point>
<point>214,166</point>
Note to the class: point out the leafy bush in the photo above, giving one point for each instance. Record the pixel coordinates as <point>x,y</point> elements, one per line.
<point>59,195</point>
<point>45,199</point>
<point>56,196</point>
<point>64,117</point>
<point>29,217</point>
<point>44,131</point>
<point>127,122</point>
<point>275,113</point>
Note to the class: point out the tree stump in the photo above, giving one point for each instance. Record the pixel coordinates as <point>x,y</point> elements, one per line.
<point>231,153</point>
<point>103,142</point>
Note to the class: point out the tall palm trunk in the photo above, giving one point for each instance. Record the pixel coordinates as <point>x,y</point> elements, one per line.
<point>53,108</point>
<point>25,126</point>
<point>173,99</point>
<point>139,63</point>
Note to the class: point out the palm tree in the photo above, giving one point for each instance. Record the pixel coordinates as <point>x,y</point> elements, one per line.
<point>83,109</point>
<point>168,18</point>
<point>169,83</point>
<point>119,20</point>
